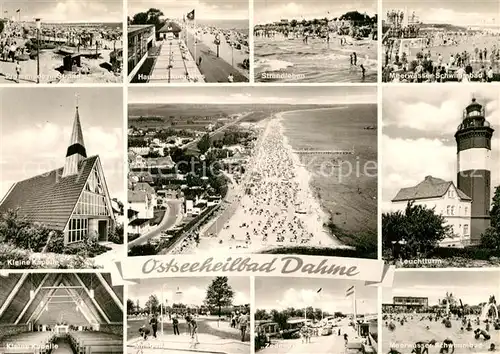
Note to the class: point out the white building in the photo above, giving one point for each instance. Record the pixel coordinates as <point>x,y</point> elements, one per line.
<point>447,200</point>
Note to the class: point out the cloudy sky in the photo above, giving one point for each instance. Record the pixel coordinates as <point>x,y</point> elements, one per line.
<point>281,293</point>
<point>36,126</point>
<point>283,94</point>
<point>470,286</point>
<point>189,291</point>
<point>418,133</point>
<point>274,10</point>
<point>469,12</point>
<point>65,10</point>
<point>205,9</point>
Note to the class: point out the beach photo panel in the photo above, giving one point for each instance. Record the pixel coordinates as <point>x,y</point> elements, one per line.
<point>61,42</point>
<point>190,41</point>
<point>452,311</point>
<point>315,41</point>
<point>254,171</point>
<point>440,41</point>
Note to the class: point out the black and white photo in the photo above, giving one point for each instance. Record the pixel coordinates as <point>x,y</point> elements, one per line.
<point>62,177</point>
<point>440,180</point>
<point>197,314</point>
<point>315,41</point>
<point>441,312</point>
<point>63,41</point>
<point>307,315</point>
<point>60,313</point>
<point>189,41</point>
<point>440,41</point>
<point>253,171</point>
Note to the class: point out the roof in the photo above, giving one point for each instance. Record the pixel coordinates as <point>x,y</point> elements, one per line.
<point>430,187</point>
<point>137,196</point>
<point>170,27</point>
<point>49,198</point>
<point>26,308</point>
<point>145,187</point>
<point>138,28</point>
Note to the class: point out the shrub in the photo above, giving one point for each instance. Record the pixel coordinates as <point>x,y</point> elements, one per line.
<point>56,242</point>
<point>142,250</point>
<point>13,258</point>
<point>116,234</point>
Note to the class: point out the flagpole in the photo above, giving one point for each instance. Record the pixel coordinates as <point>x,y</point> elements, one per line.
<point>354,306</point>
<point>195,39</point>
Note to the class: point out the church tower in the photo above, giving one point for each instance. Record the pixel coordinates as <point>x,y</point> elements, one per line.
<point>473,139</point>
<point>76,150</point>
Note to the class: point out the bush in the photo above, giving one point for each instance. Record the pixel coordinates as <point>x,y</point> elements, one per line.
<point>142,250</point>
<point>13,258</point>
<point>116,234</point>
<point>22,233</point>
<point>472,252</point>
<point>56,242</point>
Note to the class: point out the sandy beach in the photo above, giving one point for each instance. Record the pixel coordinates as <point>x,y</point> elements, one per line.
<point>316,61</point>
<point>14,42</point>
<point>273,206</point>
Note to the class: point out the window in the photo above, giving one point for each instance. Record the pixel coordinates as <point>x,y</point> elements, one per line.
<point>466,211</point>
<point>77,230</point>
<point>448,210</point>
<point>93,199</point>
<point>466,229</point>
<point>452,210</point>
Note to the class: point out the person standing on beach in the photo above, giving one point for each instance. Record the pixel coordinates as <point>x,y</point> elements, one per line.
<point>18,71</point>
<point>154,324</point>
<point>175,323</point>
<point>243,322</point>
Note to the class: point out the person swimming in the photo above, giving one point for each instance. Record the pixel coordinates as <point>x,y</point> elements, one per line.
<point>446,346</point>
<point>422,347</point>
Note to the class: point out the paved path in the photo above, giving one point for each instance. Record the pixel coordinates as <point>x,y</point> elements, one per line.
<point>184,344</point>
<point>323,344</point>
<point>174,65</point>
<point>169,220</point>
<point>213,69</point>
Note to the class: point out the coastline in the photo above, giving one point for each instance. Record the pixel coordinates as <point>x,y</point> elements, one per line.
<point>304,178</point>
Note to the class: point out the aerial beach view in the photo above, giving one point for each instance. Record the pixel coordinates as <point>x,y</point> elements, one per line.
<point>271,173</point>
<point>61,42</point>
<point>446,41</point>
<point>319,41</point>
<point>441,312</point>
<point>188,41</point>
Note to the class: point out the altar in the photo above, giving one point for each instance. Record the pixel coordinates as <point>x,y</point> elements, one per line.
<point>61,329</point>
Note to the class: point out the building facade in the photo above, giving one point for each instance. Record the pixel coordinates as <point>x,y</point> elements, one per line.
<point>447,200</point>
<point>141,38</point>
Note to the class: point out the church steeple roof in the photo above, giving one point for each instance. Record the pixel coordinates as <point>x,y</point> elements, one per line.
<point>76,149</point>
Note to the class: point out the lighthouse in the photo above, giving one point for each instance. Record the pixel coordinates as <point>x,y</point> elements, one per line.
<point>473,139</point>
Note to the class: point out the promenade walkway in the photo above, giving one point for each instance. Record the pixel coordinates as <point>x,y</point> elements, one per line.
<point>175,64</point>
<point>213,69</point>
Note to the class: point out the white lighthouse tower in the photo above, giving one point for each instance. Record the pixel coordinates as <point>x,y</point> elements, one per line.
<point>473,139</point>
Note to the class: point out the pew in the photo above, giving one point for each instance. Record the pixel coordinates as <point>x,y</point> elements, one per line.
<point>27,343</point>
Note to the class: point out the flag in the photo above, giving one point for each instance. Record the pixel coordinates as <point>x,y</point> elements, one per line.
<point>349,291</point>
<point>190,16</point>
<point>18,10</point>
<point>319,290</point>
